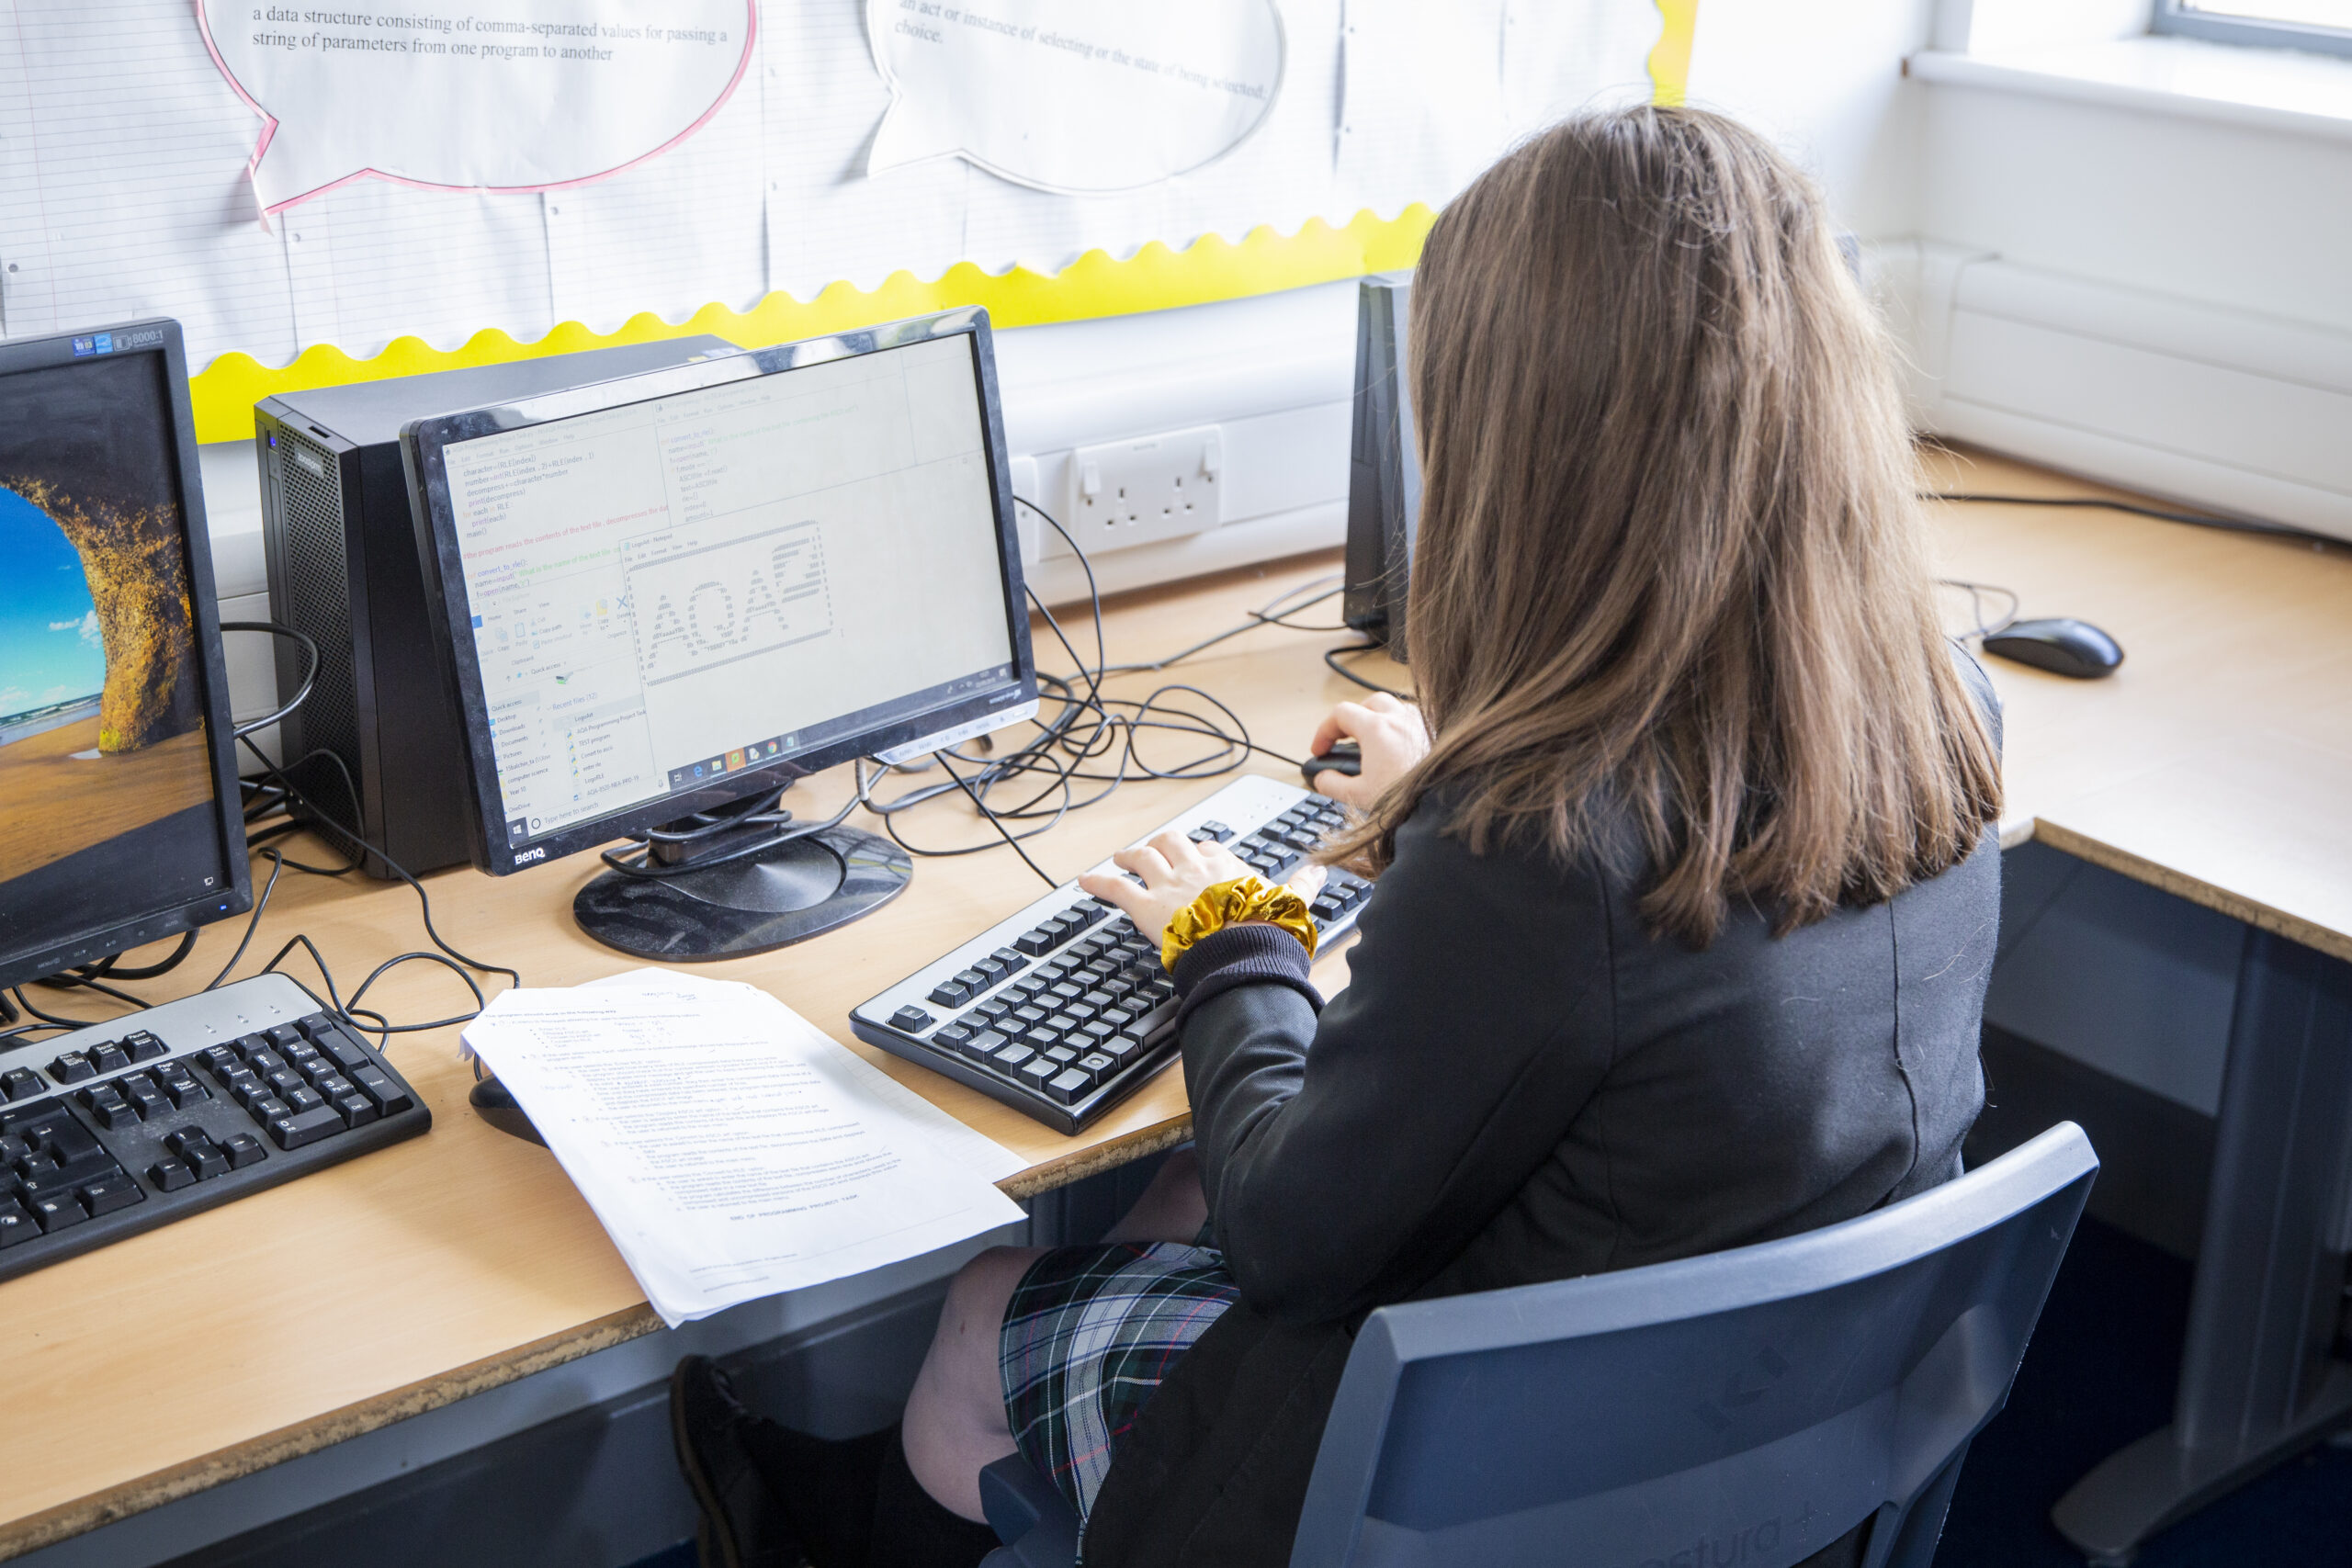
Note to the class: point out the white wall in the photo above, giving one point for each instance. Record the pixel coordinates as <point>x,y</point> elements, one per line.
<point>2221,214</point>
<point>1825,78</point>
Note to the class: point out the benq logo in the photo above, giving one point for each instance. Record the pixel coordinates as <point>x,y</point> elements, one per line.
<point>528,856</point>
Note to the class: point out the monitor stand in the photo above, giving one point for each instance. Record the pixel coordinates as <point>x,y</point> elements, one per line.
<point>674,908</point>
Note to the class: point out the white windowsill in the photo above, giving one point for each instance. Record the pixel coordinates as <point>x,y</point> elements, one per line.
<point>2269,89</point>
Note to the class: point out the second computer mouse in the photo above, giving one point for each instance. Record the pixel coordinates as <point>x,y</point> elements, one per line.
<point>1344,757</point>
<point>496,1104</point>
<point>2061,645</point>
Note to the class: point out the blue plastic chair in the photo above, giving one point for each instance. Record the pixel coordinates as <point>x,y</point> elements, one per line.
<point>1749,1407</point>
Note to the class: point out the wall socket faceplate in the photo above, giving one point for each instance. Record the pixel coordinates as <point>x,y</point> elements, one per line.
<point>1145,489</point>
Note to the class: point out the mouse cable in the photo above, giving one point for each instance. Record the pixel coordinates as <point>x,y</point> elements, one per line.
<point>1331,658</point>
<point>1000,827</point>
<point>2196,519</point>
<point>1976,592</point>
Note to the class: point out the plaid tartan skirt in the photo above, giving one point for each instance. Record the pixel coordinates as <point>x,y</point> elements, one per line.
<point>1089,1335</point>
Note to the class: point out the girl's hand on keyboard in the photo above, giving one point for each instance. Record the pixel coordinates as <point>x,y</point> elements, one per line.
<point>1391,735</point>
<point>1166,873</point>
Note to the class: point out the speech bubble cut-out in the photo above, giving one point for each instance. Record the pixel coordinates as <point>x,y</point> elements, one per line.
<point>1073,96</point>
<point>473,95</point>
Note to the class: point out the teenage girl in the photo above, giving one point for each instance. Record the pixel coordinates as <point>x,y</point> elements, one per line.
<point>1687,894</point>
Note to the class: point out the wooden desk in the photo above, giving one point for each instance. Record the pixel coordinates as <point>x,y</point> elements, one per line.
<point>465,1258</point>
<point>2217,762</point>
<point>2217,765</point>
<point>2213,765</point>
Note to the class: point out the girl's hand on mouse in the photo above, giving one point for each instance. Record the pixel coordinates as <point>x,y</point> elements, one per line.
<point>1391,735</point>
<point>1166,874</point>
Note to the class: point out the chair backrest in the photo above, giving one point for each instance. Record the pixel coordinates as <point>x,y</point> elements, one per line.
<point>1743,1409</point>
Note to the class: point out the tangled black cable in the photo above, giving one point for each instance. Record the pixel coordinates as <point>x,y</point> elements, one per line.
<point>1086,745</point>
<point>442,953</point>
<point>273,793</point>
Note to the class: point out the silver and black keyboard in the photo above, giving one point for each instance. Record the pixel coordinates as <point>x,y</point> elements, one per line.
<point>1063,1010</point>
<point>134,1122</point>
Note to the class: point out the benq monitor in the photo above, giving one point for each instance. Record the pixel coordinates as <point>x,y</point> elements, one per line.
<point>667,596</point>
<point>120,822</point>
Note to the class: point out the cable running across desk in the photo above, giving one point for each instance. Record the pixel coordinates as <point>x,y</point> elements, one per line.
<point>1092,739</point>
<point>2161,514</point>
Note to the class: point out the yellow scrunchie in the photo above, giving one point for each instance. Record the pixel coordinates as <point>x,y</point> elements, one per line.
<point>1230,904</point>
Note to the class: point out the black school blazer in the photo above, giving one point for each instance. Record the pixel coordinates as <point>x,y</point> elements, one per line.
<point>1521,1084</point>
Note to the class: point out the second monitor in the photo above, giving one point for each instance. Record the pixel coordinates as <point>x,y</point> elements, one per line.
<point>665,598</point>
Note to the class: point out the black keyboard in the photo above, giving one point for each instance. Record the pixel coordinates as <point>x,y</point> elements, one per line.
<point>1063,1010</point>
<point>130,1125</point>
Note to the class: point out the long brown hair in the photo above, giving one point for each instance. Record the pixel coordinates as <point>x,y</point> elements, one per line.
<point>1670,556</point>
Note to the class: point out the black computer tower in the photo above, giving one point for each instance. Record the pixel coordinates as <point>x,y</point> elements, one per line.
<point>1384,469</point>
<point>345,569</point>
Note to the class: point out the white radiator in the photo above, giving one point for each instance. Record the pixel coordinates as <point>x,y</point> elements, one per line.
<point>2218,408</point>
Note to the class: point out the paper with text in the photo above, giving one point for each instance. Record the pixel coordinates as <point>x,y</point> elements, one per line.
<point>505,95</point>
<point>1073,96</point>
<point>729,1148</point>
<point>124,151</point>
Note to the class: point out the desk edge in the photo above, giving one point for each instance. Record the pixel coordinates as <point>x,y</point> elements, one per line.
<point>2335,943</point>
<point>83,1515</point>
<point>100,1509</point>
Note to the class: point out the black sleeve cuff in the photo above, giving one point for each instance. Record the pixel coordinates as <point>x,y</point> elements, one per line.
<point>1245,954</point>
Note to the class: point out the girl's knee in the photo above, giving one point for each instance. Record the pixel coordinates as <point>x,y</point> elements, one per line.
<point>980,1291</point>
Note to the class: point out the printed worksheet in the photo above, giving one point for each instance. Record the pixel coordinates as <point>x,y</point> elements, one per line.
<point>729,1148</point>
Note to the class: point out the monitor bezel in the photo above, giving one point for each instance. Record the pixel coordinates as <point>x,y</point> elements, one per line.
<point>424,443</point>
<point>235,896</point>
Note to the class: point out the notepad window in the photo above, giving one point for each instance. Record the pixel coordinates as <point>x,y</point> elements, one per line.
<point>667,590</point>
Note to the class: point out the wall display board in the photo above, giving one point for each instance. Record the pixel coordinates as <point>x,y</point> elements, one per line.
<point>327,194</point>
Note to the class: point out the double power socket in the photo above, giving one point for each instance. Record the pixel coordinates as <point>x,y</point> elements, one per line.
<point>1145,489</point>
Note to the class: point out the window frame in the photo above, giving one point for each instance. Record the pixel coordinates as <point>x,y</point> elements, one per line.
<point>2172,16</point>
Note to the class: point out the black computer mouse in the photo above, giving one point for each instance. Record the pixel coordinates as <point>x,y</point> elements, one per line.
<point>1344,757</point>
<point>2061,645</point>
<point>496,1104</point>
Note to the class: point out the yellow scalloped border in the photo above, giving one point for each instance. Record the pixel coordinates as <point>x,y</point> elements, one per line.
<point>1154,279</point>
<point>1670,58</point>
